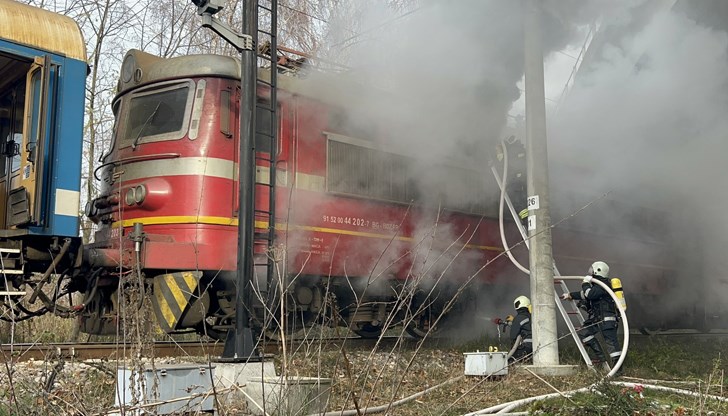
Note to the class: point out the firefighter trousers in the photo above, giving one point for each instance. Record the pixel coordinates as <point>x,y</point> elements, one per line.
<point>608,327</point>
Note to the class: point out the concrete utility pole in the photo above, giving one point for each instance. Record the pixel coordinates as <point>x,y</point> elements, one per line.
<point>545,346</point>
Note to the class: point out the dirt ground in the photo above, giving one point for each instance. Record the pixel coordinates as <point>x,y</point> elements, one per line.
<point>365,378</point>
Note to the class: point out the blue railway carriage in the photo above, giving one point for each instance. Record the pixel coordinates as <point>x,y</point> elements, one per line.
<point>42,79</point>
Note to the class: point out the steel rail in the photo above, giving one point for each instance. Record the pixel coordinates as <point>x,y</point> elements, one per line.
<point>81,351</point>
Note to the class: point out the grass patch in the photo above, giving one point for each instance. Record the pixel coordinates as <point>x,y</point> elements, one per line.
<point>684,358</point>
<point>374,378</point>
<point>607,399</point>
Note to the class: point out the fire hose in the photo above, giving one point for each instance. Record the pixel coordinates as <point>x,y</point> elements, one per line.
<point>509,406</point>
<point>623,315</point>
<point>503,182</point>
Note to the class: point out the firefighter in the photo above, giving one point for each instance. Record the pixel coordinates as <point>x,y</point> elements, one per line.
<point>602,313</point>
<point>521,330</point>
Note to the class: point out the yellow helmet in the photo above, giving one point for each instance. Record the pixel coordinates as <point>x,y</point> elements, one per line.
<point>521,302</point>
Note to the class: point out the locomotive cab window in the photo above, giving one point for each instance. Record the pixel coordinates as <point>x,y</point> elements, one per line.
<point>157,114</point>
<point>115,135</point>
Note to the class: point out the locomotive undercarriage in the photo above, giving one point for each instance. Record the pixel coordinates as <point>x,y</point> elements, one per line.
<point>340,302</point>
<point>37,276</point>
<point>308,301</point>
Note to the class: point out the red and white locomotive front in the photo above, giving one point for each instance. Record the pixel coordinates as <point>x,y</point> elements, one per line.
<point>168,201</point>
<point>173,148</point>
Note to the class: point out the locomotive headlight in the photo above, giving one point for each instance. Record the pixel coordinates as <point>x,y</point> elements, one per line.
<point>129,198</point>
<point>127,68</point>
<point>140,192</point>
<point>87,208</point>
<point>90,210</point>
<point>150,195</point>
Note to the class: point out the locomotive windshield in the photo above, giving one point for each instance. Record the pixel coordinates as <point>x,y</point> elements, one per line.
<point>157,114</point>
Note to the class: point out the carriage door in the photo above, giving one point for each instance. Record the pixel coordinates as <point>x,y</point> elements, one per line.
<point>12,105</point>
<point>25,197</point>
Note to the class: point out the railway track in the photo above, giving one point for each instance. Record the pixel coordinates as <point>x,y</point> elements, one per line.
<point>112,351</point>
<point>104,350</point>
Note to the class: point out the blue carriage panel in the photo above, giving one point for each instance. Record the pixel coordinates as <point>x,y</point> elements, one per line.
<point>62,143</point>
<point>63,150</point>
<point>68,149</point>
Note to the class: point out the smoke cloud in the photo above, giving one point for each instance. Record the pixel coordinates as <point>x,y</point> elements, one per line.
<point>644,121</point>
<point>440,85</point>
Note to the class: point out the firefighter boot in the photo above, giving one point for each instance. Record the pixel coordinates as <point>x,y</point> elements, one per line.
<point>598,351</point>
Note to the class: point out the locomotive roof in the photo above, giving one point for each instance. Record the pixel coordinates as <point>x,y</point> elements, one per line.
<point>41,29</point>
<point>143,68</point>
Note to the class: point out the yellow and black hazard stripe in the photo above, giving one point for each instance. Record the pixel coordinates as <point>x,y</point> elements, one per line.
<point>173,294</point>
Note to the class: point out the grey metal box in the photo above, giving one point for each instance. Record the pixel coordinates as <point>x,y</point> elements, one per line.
<point>486,363</point>
<point>180,388</point>
<point>288,395</point>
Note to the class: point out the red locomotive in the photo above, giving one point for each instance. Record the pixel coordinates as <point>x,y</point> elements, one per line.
<point>361,235</point>
<point>355,232</point>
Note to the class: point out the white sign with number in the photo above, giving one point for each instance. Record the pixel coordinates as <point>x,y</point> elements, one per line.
<point>531,222</point>
<point>532,202</point>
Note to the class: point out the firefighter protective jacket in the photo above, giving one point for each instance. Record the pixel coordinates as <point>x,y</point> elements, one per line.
<point>600,304</point>
<point>521,326</point>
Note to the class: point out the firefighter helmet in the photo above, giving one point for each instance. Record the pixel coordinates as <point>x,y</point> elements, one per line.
<point>599,268</point>
<point>521,302</point>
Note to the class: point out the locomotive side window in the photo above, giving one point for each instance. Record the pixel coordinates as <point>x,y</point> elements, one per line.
<point>225,106</point>
<point>362,171</point>
<point>356,168</point>
<point>157,114</point>
<point>115,108</point>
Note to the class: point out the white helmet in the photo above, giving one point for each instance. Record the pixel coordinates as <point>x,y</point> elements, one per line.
<point>599,268</point>
<point>521,302</point>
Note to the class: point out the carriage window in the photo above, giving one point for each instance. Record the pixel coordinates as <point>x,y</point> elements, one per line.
<point>157,115</point>
<point>34,116</point>
<point>12,107</point>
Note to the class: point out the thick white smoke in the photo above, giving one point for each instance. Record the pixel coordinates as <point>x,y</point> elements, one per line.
<point>439,86</point>
<point>647,120</point>
<point>644,120</point>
